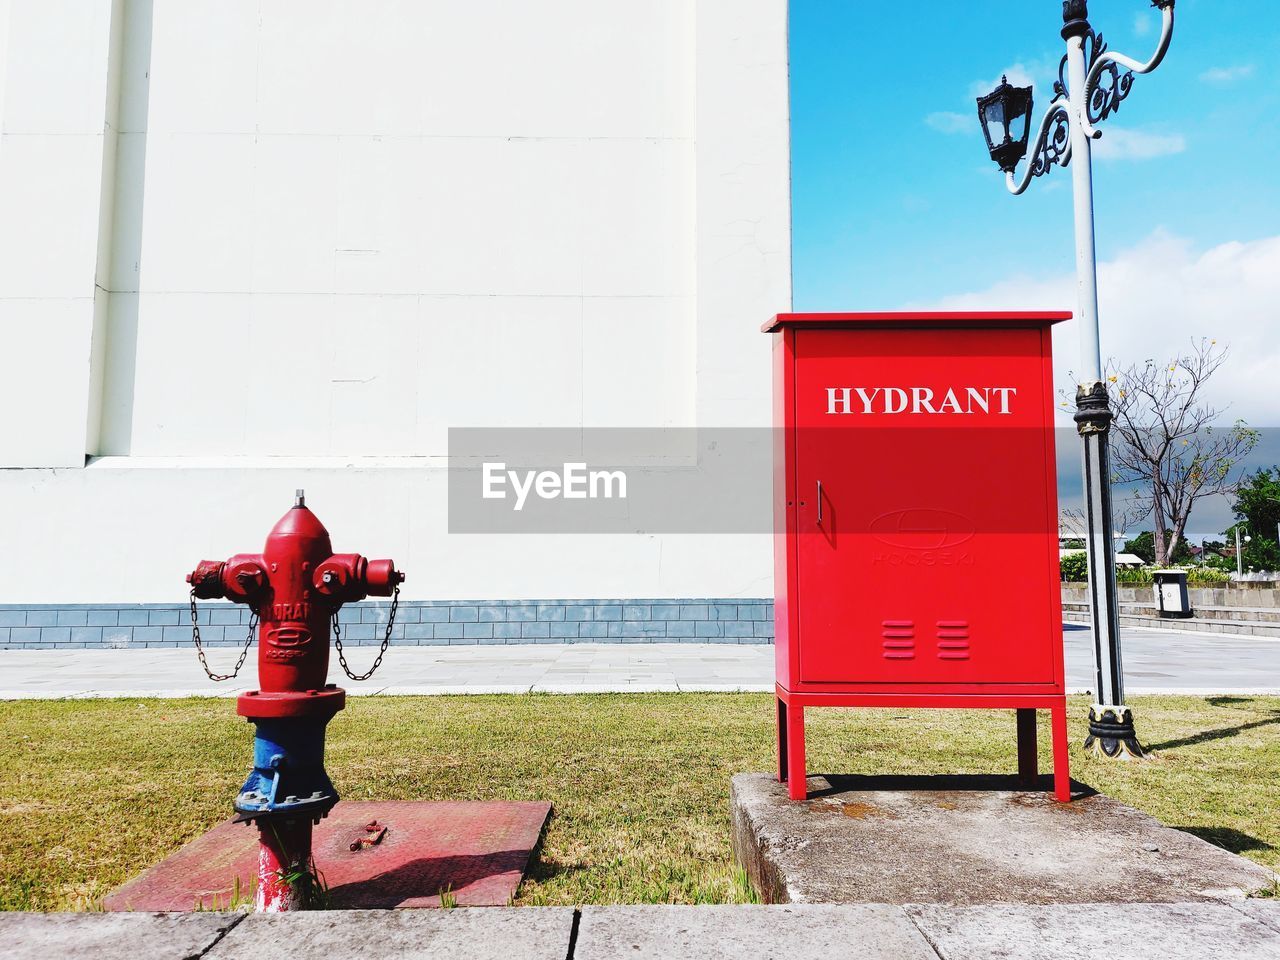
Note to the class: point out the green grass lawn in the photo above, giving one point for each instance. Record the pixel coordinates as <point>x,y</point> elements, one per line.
<point>92,792</point>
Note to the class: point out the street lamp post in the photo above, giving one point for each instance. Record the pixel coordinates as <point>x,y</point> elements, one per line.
<point>1276,500</point>
<point>1240,552</point>
<point>1090,87</point>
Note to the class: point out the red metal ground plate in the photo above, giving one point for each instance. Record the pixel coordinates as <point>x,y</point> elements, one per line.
<point>479,851</point>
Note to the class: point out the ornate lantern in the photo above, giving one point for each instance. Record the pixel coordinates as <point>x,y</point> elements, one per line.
<point>1005,115</point>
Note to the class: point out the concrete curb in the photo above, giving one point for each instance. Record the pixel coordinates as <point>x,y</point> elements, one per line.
<point>1249,930</point>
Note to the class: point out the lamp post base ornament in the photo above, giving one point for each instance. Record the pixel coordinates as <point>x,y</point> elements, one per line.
<point>1111,734</point>
<point>1111,731</point>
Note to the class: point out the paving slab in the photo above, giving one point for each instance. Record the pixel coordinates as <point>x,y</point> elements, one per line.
<point>111,936</point>
<point>795,932</point>
<point>1155,662</point>
<point>968,840</point>
<point>1092,931</point>
<point>1146,931</point>
<point>527,933</point>
<point>476,850</point>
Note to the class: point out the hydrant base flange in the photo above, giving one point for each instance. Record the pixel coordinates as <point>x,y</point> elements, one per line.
<point>274,704</point>
<point>306,811</point>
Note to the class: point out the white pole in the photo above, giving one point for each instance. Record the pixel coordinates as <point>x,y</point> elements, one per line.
<point>1104,607</point>
<point>1082,183</point>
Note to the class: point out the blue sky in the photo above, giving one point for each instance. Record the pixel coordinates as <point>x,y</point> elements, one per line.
<point>895,198</point>
<point>896,202</point>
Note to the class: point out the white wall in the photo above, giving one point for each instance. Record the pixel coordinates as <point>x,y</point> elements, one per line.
<point>55,84</point>
<point>378,190</point>
<point>329,231</point>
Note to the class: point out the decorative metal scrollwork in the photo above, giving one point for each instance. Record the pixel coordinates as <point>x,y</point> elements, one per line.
<point>1110,87</point>
<point>1060,85</point>
<point>1056,145</point>
<point>1094,47</point>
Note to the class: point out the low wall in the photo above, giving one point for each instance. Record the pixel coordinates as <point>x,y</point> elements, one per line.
<point>1207,595</point>
<point>418,622</point>
<point>445,622</point>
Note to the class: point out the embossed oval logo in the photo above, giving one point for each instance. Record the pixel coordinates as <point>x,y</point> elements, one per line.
<point>922,529</point>
<point>289,636</point>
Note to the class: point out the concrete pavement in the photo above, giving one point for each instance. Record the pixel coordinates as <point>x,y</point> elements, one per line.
<point>1248,930</point>
<point>966,839</point>
<point>1156,661</point>
<point>521,668</point>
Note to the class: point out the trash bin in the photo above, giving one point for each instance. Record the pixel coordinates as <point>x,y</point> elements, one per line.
<point>1172,598</point>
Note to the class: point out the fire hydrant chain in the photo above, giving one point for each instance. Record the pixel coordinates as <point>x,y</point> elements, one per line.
<point>195,635</point>
<point>386,639</point>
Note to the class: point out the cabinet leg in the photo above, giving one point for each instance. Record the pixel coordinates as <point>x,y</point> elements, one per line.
<point>1028,767</point>
<point>797,786</point>
<point>782,739</point>
<point>1061,754</point>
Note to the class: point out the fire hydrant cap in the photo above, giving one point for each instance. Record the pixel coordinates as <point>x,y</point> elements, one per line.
<point>300,522</point>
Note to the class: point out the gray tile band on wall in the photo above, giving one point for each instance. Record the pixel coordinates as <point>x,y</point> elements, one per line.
<point>419,622</point>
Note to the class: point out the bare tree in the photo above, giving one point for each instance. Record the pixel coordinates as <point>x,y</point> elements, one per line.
<point>1074,525</point>
<point>1129,512</point>
<point>1168,444</point>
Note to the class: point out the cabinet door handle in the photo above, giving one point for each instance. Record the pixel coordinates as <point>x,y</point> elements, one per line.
<point>819,503</point>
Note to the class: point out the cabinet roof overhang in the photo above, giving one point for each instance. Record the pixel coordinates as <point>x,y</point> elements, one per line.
<point>919,320</point>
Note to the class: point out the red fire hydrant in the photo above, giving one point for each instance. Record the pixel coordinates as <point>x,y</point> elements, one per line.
<point>295,588</point>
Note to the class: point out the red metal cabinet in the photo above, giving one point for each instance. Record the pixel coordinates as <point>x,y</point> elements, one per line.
<point>916,554</point>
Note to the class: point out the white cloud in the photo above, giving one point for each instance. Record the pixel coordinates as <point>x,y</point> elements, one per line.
<point>1018,74</point>
<point>1154,299</point>
<point>1143,23</point>
<point>1119,143</point>
<point>1225,75</point>
<point>946,122</point>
